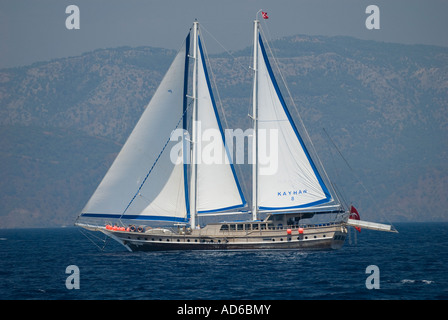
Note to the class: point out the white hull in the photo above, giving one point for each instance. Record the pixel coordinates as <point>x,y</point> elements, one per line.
<point>313,237</point>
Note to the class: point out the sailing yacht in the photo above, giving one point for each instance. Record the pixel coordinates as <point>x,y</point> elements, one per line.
<point>157,187</point>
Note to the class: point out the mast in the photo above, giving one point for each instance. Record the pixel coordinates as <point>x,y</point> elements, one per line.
<point>255,133</point>
<point>193,202</point>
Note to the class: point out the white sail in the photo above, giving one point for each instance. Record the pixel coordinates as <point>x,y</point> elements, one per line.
<point>170,202</point>
<point>217,184</point>
<point>143,178</point>
<point>293,181</point>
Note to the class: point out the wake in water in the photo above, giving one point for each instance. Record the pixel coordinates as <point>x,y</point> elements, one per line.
<point>406,281</point>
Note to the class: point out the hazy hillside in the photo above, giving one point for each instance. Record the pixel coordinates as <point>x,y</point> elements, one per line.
<point>384,105</point>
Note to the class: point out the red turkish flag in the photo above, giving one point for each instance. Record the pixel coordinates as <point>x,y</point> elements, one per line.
<point>265,15</point>
<point>354,215</point>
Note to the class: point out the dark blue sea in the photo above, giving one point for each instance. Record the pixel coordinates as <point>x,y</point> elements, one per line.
<point>410,265</point>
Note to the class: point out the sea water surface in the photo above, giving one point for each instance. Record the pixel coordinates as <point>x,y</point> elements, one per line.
<point>411,264</point>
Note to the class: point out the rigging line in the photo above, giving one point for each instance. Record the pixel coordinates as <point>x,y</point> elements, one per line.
<point>153,165</point>
<point>90,239</point>
<point>337,149</point>
<point>339,194</point>
<point>358,178</point>
<point>347,163</point>
<point>247,69</point>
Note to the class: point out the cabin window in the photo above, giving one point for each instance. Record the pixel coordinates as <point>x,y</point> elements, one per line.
<point>263,226</point>
<point>248,226</point>
<point>224,227</point>
<point>239,227</point>
<point>255,226</point>
<point>232,227</point>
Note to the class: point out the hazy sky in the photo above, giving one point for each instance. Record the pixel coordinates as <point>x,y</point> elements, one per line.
<point>34,30</point>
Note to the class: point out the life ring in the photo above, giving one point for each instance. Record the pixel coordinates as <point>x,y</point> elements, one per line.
<point>140,229</point>
<point>132,228</point>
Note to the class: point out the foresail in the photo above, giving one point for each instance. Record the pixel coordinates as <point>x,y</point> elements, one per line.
<point>143,176</point>
<point>217,184</point>
<point>291,180</point>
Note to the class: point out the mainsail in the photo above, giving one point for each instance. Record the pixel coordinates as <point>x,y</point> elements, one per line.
<point>296,182</point>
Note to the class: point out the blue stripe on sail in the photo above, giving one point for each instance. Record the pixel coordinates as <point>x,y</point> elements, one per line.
<point>223,209</point>
<point>285,108</point>
<point>243,200</point>
<point>184,126</point>
<point>133,217</point>
<point>307,205</point>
